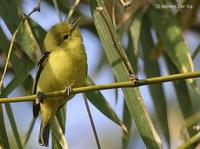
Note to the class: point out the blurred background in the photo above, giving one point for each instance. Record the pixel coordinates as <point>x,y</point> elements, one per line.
<point>129,26</point>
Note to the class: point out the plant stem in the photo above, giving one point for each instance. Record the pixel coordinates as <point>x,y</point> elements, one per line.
<point>126,84</point>
<point>57,10</point>
<point>116,43</point>
<point>73,7</point>
<point>92,122</point>
<point>37,8</point>
<point>189,142</point>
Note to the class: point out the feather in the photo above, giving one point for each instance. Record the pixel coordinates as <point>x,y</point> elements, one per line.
<point>40,65</point>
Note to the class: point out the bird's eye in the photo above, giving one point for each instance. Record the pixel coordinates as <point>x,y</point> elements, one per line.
<point>66,36</point>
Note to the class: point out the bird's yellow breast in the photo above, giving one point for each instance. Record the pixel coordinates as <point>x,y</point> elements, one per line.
<point>63,68</point>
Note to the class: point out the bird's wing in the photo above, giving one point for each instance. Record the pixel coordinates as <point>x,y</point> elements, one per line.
<point>40,65</point>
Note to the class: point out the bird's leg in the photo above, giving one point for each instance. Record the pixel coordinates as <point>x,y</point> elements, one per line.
<point>133,78</point>
<point>40,97</point>
<point>68,89</point>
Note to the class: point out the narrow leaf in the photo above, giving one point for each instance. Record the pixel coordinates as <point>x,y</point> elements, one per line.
<point>190,142</point>
<point>3,135</point>
<point>15,82</point>
<point>13,125</point>
<point>196,52</point>
<point>61,118</point>
<point>127,120</point>
<point>170,34</point>
<point>133,98</point>
<point>25,38</point>
<point>28,134</point>
<point>58,135</point>
<point>134,37</point>
<point>99,101</point>
<point>183,95</point>
<point>152,69</point>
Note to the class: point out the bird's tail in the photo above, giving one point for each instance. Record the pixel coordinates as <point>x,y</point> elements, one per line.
<point>44,135</point>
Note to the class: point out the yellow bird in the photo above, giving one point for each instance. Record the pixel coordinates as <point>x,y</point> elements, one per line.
<point>63,64</point>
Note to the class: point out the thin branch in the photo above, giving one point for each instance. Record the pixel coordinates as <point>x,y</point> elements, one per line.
<point>76,3</point>
<point>113,15</point>
<point>190,142</point>
<point>57,10</point>
<point>37,8</point>
<point>127,84</point>
<point>125,3</point>
<point>115,43</point>
<point>92,122</point>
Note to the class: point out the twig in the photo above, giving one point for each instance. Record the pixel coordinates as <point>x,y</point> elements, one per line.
<point>126,84</point>
<point>57,10</point>
<point>76,3</point>
<point>92,122</point>
<point>125,3</point>
<point>190,142</point>
<point>37,8</point>
<point>115,44</point>
<point>113,14</point>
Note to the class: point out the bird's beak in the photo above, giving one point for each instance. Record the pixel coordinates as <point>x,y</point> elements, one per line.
<point>75,23</point>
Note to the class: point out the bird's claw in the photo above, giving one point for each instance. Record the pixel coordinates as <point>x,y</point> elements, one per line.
<point>133,78</point>
<point>40,97</point>
<point>68,89</point>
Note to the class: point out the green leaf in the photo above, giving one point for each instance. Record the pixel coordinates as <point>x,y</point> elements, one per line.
<point>170,34</point>
<point>25,37</point>
<point>133,98</point>
<point>21,72</point>
<point>13,125</point>
<point>178,56</point>
<point>196,52</point>
<point>61,117</point>
<point>127,120</point>
<point>16,62</point>
<point>190,142</point>
<point>28,134</point>
<point>134,37</point>
<point>15,82</point>
<point>132,54</point>
<point>193,120</point>
<point>152,69</point>
<point>99,101</point>
<point>182,93</point>
<point>3,39</point>
<point>3,135</point>
<point>58,135</point>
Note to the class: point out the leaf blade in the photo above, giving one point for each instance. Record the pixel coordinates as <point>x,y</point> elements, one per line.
<point>99,101</point>
<point>136,106</point>
<point>152,69</point>
<point>3,135</point>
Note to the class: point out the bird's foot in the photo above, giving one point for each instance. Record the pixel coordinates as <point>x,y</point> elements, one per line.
<point>40,97</point>
<point>68,89</point>
<point>36,103</point>
<point>133,78</point>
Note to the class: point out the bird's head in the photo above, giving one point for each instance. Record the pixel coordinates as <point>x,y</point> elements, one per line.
<point>62,35</point>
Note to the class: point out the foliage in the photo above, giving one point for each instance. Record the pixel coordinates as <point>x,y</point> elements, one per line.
<point>155,36</point>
